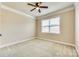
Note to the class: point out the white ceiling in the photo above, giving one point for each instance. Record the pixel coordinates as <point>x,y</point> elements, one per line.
<point>23,7</point>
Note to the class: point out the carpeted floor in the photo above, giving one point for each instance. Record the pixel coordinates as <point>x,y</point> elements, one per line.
<point>37,48</point>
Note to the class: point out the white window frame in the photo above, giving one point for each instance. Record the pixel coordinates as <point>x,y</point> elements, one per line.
<point>51,26</point>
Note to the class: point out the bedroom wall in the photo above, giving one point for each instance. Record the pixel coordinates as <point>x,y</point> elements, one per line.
<point>67,26</point>
<point>0,22</point>
<point>77,26</point>
<point>15,27</point>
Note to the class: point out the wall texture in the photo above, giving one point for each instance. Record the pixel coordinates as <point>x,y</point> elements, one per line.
<point>67,27</point>
<point>15,27</point>
<point>0,23</point>
<point>77,26</point>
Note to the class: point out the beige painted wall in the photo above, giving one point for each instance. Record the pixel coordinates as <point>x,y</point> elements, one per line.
<point>0,23</point>
<point>67,25</point>
<point>15,27</point>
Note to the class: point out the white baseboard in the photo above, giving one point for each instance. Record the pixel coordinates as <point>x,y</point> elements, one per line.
<point>30,38</point>
<point>13,43</point>
<point>77,50</point>
<point>64,43</point>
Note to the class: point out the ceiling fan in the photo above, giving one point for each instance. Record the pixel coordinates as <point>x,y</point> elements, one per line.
<point>37,6</point>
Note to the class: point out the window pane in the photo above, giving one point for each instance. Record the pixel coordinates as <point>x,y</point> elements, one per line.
<point>55,21</point>
<point>45,22</point>
<point>55,29</point>
<point>45,29</point>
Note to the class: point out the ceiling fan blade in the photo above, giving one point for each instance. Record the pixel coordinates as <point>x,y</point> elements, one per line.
<point>43,6</point>
<point>33,9</point>
<point>31,4</point>
<point>39,10</point>
<point>38,3</point>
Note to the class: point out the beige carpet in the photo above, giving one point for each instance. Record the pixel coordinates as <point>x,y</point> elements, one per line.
<point>37,48</point>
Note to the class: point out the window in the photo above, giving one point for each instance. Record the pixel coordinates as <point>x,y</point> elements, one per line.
<point>51,25</point>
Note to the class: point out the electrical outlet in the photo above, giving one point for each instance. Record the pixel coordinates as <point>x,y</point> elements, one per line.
<point>0,34</point>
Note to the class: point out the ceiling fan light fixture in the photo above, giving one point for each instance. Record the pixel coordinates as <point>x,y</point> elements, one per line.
<point>37,8</point>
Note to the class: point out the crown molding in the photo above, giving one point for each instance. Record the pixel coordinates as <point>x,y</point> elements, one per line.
<point>15,11</point>
<point>66,9</point>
